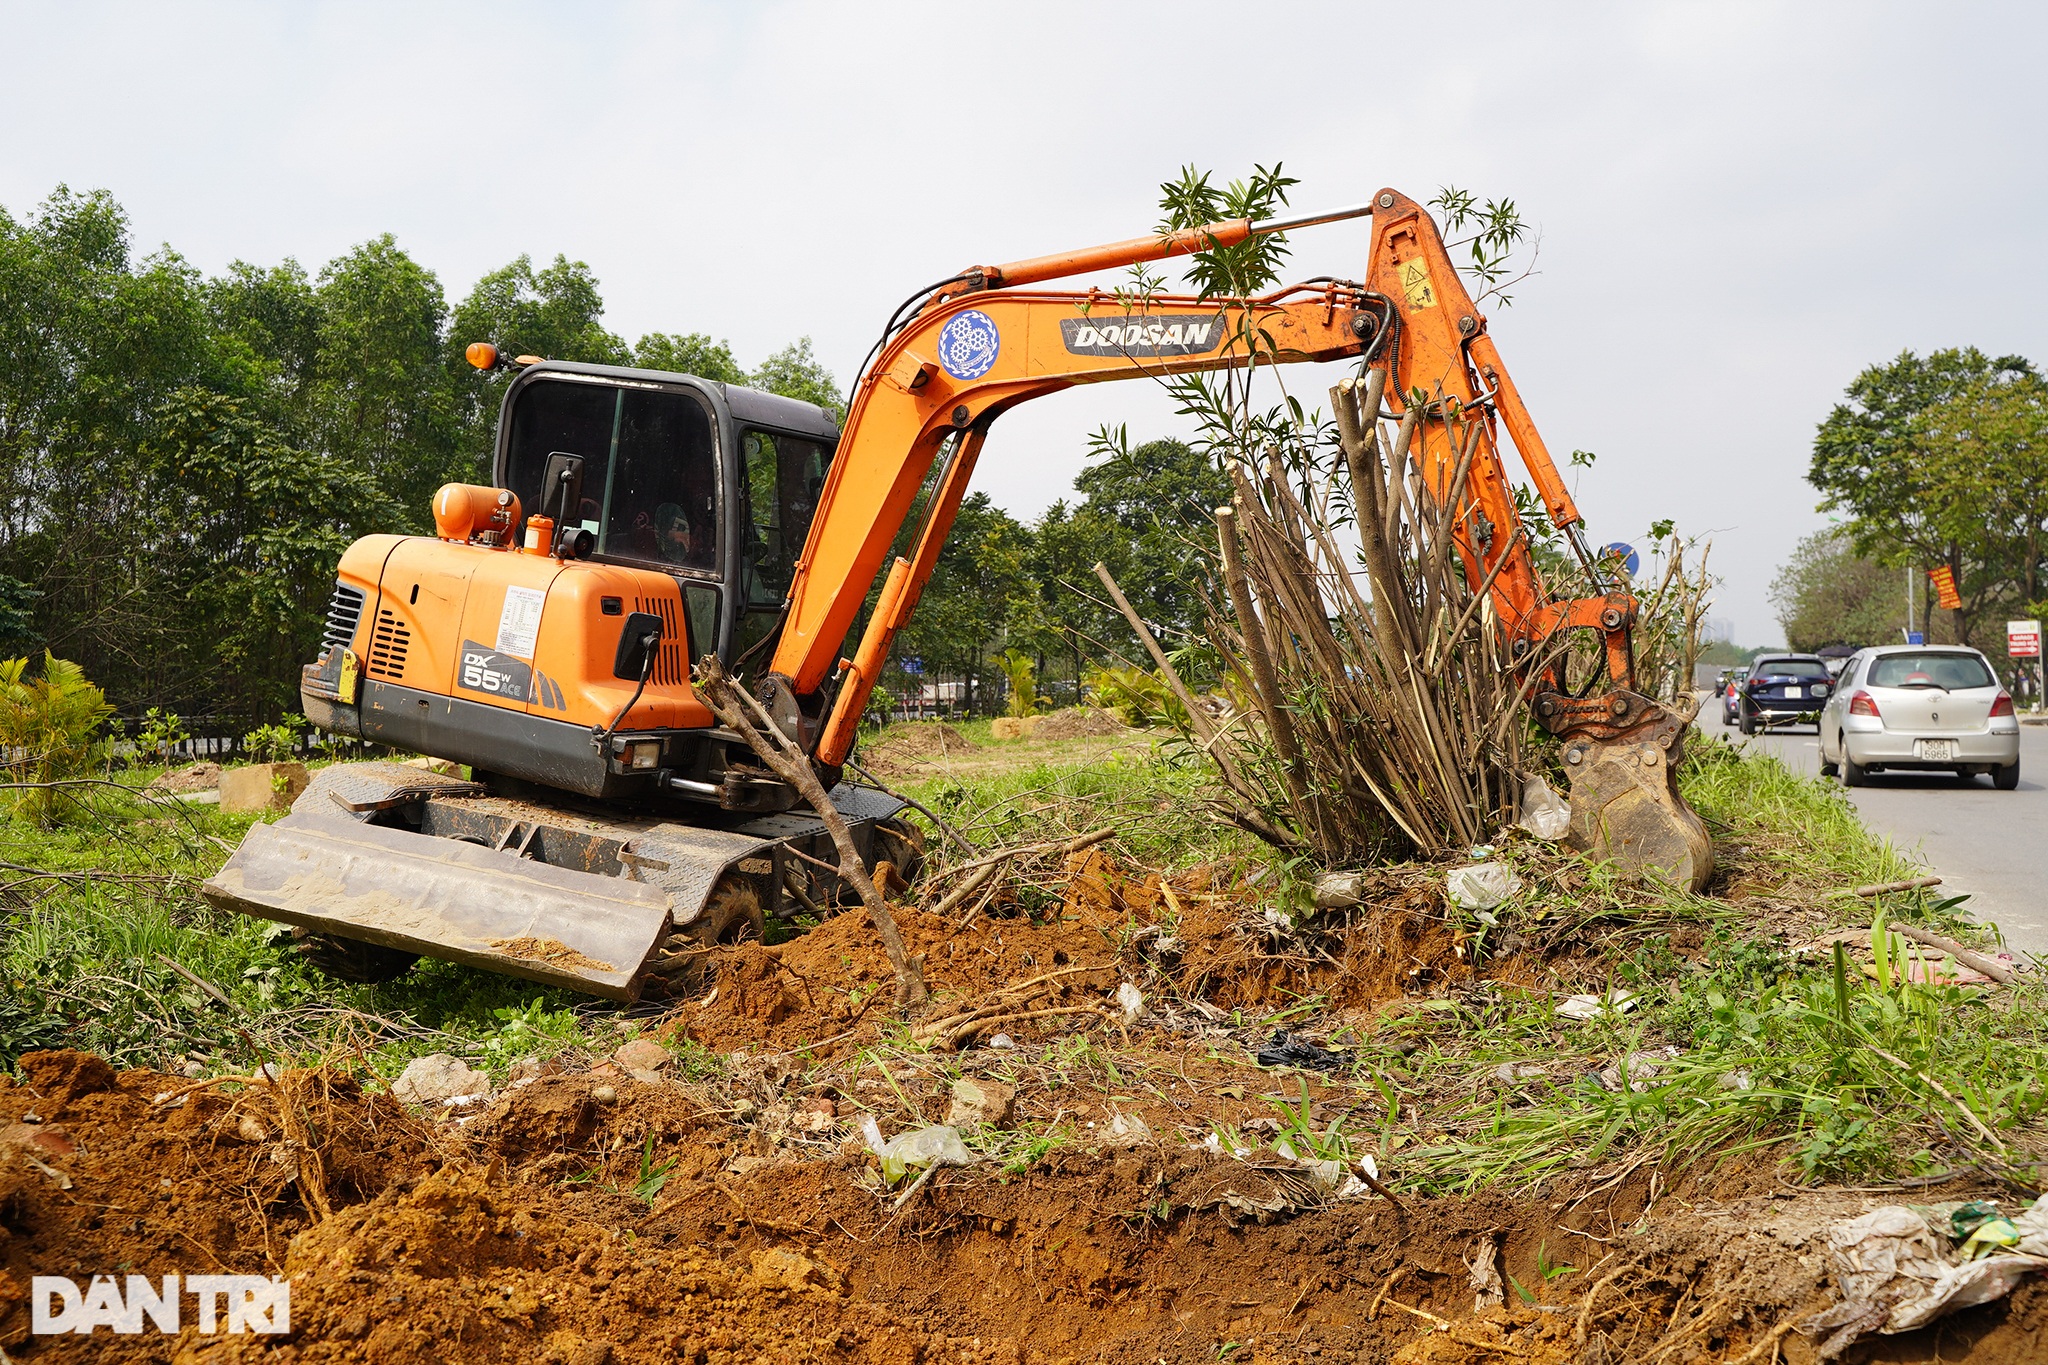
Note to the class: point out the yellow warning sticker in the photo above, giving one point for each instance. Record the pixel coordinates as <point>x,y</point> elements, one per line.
<point>1415,283</point>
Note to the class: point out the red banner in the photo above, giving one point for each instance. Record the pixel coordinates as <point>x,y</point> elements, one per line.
<point>1945,587</point>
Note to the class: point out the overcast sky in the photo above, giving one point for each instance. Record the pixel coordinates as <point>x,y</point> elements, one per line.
<point>1740,205</point>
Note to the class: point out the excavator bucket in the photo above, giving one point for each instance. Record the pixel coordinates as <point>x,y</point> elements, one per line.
<point>448,899</point>
<point>1626,808</point>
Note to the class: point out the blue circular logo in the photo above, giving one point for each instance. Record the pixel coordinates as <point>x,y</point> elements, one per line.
<point>969,344</point>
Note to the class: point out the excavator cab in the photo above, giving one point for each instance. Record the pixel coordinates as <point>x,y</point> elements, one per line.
<point>711,484</point>
<point>608,825</point>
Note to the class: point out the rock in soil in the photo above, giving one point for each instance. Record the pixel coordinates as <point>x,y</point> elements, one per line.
<point>981,1104</point>
<point>438,1078</point>
<point>642,1054</point>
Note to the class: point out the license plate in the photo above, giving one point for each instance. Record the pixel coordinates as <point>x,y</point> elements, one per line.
<point>1936,750</point>
<point>1795,693</point>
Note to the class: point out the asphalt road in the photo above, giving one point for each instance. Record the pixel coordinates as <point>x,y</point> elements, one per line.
<point>1990,844</point>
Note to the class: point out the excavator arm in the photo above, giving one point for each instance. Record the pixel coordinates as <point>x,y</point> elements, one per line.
<point>985,341</point>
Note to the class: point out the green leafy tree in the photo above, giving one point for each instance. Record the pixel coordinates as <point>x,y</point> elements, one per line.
<point>980,594</point>
<point>49,730</point>
<point>689,353</point>
<point>266,330</point>
<point>1068,541</point>
<point>1937,461</point>
<point>1827,594</point>
<point>91,342</point>
<point>794,372</point>
<point>383,397</point>
<point>1162,498</point>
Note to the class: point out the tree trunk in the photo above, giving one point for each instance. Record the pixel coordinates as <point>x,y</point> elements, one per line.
<point>739,710</point>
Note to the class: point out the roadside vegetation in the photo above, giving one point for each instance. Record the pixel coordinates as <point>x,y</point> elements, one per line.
<point>1723,1040</point>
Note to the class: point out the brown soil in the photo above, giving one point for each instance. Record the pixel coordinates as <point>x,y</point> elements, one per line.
<point>197,777</point>
<point>919,739</point>
<point>1076,722</point>
<point>521,1238</point>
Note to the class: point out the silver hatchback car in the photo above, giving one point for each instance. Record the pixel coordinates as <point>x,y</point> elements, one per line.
<point>1920,707</point>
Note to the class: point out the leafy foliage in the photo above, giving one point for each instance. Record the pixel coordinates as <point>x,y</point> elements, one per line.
<point>1943,460</point>
<point>49,731</point>
<point>1828,594</point>
<point>274,743</point>
<point>183,459</point>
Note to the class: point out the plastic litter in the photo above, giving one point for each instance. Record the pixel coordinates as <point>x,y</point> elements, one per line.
<point>1131,1001</point>
<point>1335,890</point>
<point>1003,1042</point>
<point>1284,1049</point>
<point>938,1145</point>
<point>1481,886</point>
<point>1896,1276</point>
<point>1982,1229</point>
<point>1636,1071</point>
<point>1128,1130</point>
<point>1545,814</point>
<point>2032,1227</point>
<point>1593,1006</point>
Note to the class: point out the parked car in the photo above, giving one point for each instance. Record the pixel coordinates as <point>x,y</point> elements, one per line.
<point>1731,688</point>
<point>1782,688</point>
<point>1920,707</point>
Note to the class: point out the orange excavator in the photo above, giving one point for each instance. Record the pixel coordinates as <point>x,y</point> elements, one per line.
<point>542,636</point>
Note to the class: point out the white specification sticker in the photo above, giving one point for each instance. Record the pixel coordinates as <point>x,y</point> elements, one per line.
<point>519,622</point>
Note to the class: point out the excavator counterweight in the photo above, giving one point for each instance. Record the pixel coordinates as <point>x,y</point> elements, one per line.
<point>641,519</point>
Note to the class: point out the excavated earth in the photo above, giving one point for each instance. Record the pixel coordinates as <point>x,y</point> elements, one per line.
<point>732,1214</point>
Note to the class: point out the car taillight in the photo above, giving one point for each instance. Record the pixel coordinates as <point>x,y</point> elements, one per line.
<point>1863,704</point>
<point>2003,706</point>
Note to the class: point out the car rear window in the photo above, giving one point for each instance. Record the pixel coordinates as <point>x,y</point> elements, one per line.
<point>1791,668</point>
<point>1948,671</point>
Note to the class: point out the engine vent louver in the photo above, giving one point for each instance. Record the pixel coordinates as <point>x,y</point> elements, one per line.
<point>344,610</point>
<point>388,643</point>
<point>672,664</point>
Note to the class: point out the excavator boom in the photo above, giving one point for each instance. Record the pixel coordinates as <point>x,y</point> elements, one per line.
<point>985,342</point>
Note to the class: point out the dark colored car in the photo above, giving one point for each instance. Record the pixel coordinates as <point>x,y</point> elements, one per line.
<point>1731,688</point>
<point>1782,688</point>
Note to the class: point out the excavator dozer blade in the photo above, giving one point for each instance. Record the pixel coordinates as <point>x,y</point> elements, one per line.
<point>1626,808</point>
<point>447,899</point>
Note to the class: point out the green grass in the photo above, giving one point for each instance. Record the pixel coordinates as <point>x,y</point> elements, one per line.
<point>1849,1078</point>
<point>83,962</point>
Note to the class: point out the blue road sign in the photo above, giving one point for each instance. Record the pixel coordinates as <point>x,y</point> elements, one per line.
<point>1630,560</point>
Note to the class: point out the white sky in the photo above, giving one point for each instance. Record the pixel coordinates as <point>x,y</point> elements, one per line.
<point>1740,205</point>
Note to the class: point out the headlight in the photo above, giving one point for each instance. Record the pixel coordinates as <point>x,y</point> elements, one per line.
<point>644,753</point>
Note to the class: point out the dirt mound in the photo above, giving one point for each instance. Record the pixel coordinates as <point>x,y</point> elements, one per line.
<point>671,1223</point>
<point>916,741</point>
<point>198,777</point>
<point>1078,722</point>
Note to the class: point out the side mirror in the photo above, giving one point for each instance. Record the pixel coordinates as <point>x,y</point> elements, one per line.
<point>639,641</point>
<point>561,492</point>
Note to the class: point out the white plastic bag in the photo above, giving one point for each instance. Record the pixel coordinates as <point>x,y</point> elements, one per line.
<point>1482,885</point>
<point>1545,814</point>
<point>937,1145</point>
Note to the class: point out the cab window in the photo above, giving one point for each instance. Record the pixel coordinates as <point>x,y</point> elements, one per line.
<point>650,473</point>
<point>781,477</point>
